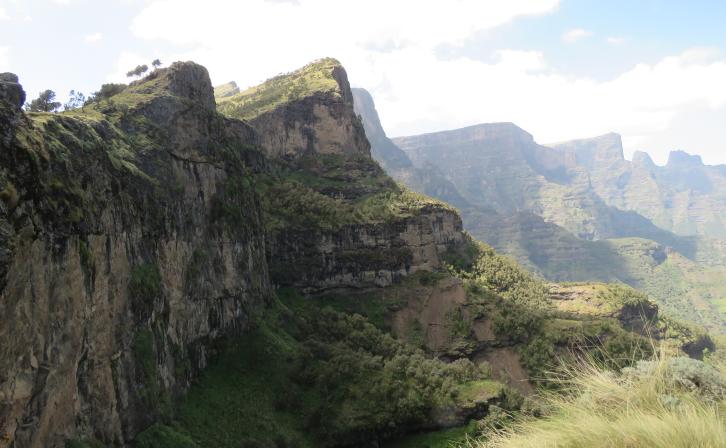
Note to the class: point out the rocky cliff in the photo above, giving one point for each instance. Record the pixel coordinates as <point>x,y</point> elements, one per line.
<point>131,240</point>
<point>307,112</point>
<point>142,240</point>
<point>361,228</point>
<point>425,178</point>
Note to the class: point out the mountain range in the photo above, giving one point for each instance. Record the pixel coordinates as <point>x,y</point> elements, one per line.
<point>576,211</point>
<point>184,266</point>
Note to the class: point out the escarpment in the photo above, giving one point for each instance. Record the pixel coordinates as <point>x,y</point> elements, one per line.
<point>131,239</point>
<point>162,231</point>
<point>336,219</point>
<point>137,230</point>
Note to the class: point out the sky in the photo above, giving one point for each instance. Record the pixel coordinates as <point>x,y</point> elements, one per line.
<point>652,71</point>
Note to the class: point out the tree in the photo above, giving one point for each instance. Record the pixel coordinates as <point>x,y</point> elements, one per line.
<point>106,92</point>
<point>75,100</point>
<point>138,71</point>
<point>44,103</point>
<point>156,63</point>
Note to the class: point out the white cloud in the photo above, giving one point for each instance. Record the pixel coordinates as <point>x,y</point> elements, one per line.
<point>4,14</point>
<point>4,59</point>
<point>575,35</point>
<point>615,40</point>
<point>62,2</point>
<point>126,61</point>
<point>390,49</point>
<point>93,38</point>
<point>280,36</point>
<point>521,61</point>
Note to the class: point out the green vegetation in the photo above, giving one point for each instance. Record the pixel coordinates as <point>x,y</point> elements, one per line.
<point>225,90</point>
<point>525,299</point>
<point>310,376</point>
<point>44,103</point>
<point>84,443</point>
<point>438,439</point>
<point>667,402</point>
<point>147,375</point>
<point>593,318</point>
<point>163,436</point>
<point>145,282</point>
<point>314,78</point>
<point>107,91</point>
<point>329,192</point>
<point>138,71</point>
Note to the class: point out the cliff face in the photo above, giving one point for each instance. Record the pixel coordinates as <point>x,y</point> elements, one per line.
<point>307,112</point>
<point>500,167</point>
<point>379,232</point>
<point>425,178</point>
<point>131,240</point>
<point>684,196</point>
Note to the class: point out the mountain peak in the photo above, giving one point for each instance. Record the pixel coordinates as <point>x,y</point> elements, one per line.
<point>595,151</point>
<point>365,106</point>
<point>681,159</point>
<point>225,90</point>
<point>478,132</point>
<point>641,158</point>
<point>187,80</point>
<point>321,77</point>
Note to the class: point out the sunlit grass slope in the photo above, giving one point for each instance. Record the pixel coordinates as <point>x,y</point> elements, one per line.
<point>667,402</point>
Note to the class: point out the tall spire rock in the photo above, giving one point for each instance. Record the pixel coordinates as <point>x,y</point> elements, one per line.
<point>384,151</point>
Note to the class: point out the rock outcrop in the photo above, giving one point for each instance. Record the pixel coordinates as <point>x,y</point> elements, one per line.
<point>12,98</point>
<point>307,124</point>
<point>297,114</point>
<point>130,243</point>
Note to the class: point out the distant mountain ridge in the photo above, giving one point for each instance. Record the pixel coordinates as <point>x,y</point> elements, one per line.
<point>684,196</point>
<point>576,211</point>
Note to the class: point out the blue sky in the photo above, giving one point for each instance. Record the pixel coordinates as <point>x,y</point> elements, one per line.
<point>653,71</point>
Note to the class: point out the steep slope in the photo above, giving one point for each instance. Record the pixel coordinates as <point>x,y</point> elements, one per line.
<point>538,205</point>
<point>128,246</point>
<point>335,219</point>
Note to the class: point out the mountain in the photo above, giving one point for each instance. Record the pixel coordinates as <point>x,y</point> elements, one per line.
<point>183,270</point>
<point>544,206</point>
<point>684,196</point>
<point>426,179</point>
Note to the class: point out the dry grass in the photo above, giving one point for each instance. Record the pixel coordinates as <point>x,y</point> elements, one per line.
<point>668,402</point>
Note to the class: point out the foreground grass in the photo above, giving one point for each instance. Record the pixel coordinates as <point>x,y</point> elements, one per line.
<point>667,402</point>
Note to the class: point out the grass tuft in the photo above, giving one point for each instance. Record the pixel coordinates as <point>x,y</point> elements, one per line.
<point>666,402</point>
